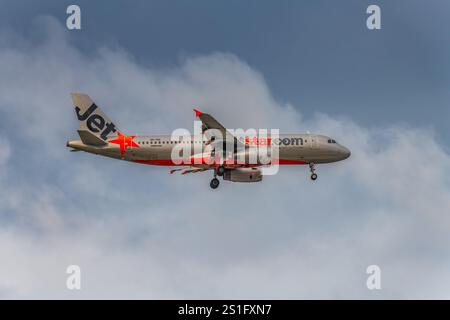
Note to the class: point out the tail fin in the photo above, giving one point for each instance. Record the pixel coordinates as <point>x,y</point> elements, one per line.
<point>95,126</point>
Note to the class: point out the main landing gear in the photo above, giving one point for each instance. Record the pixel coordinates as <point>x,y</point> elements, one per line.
<point>214,183</point>
<point>220,171</point>
<point>313,171</point>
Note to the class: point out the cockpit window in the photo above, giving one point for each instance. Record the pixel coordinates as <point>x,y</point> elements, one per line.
<point>331,141</point>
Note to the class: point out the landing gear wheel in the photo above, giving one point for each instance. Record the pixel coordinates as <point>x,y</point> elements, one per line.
<point>220,171</point>
<point>312,168</point>
<point>214,183</point>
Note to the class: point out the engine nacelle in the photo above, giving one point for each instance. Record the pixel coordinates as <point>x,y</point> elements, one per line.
<point>243,175</point>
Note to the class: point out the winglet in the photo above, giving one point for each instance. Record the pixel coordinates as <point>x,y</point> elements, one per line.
<point>198,113</point>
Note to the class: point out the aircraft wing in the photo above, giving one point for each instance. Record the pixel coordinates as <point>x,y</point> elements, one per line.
<point>209,122</point>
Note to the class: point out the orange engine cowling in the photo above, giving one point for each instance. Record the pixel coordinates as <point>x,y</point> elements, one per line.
<point>243,175</point>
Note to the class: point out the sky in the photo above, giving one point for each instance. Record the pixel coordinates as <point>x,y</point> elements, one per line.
<point>138,232</point>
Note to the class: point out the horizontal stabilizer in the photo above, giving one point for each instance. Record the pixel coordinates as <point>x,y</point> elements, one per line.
<point>89,138</point>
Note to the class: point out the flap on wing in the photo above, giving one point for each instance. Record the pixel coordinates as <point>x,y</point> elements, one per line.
<point>189,170</point>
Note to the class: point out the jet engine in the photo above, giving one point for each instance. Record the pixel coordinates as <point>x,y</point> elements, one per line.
<point>243,175</point>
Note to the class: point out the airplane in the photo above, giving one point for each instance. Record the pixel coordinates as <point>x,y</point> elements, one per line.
<point>99,135</point>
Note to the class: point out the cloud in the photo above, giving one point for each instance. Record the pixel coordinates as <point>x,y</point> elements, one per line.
<point>138,232</point>
<point>5,151</point>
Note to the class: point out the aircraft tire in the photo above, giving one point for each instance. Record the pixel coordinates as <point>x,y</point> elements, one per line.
<point>214,183</point>
<point>313,177</point>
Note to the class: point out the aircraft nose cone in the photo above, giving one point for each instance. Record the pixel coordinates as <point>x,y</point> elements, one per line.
<point>345,152</point>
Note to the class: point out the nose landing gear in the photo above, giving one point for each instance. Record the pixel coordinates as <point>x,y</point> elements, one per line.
<point>215,182</point>
<point>313,171</point>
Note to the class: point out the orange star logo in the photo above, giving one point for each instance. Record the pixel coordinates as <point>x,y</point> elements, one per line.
<point>124,142</point>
